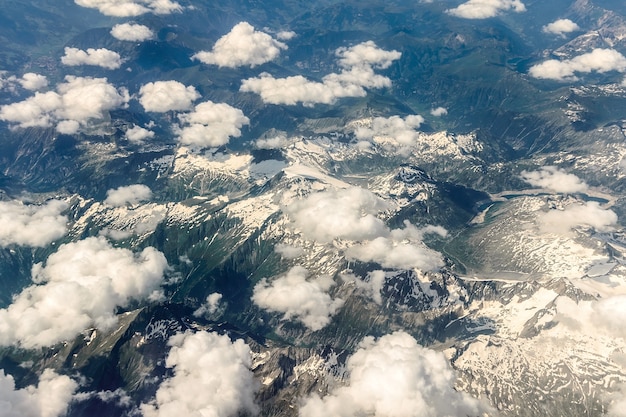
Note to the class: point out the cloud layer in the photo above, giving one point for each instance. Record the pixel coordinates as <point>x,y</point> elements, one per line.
<point>483,9</point>
<point>306,300</point>
<point>102,57</point>
<point>210,125</point>
<point>50,398</point>
<point>131,32</point>
<point>242,46</point>
<point>32,225</point>
<point>164,96</point>
<point>358,63</point>
<point>76,102</point>
<point>394,377</point>
<point>212,377</point>
<point>127,8</point>
<point>81,285</point>
<point>599,60</point>
<point>555,179</point>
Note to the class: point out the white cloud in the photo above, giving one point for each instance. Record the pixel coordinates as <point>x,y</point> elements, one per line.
<point>402,131</point>
<point>439,111</point>
<point>212,377</point>
<point>285,35</point>
<point>338,214</point>
<point>394,377</point>
<point>76,103</point>
<point>274,142</point>
<point>210,125</point>
<point>32,225</point>
<point>306,300</point>
<point>599,60</point>
<point>80,286</point>
<point>210,306</point>
<point>288,251</point>
<point>163,96</point>
<point>242,46</point>
<point>372,285</point>
<point>50,398</point>
<point>401,249</point>
<point>483,9</point>
<point>131,32</point>
<point>555,179</point>
<point>588,214</point>
<point>358,63</point>
<point>33,82</point>
<point>98,57</point>
<point>129,194</point>
<point>138,134</point>
<point>560,27</point>
<point>126,8</point>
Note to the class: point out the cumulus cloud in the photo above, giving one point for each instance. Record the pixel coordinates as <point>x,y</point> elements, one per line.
<point>138,134</point>
<point>242,46</point>
<point>483,9</point>
<point>163,96</point>
<point>80,286</point>
<point>210,124</point>
<point>274,142</point>
<point>32,225</point>
<point>126,8</point>
<point>439,111</point>
<point>212,377</point>
<point>29,81</point>
<point>306,300</point>
<point>50,398</point>
<point>402,131</point>
<point>338,214</point>
<point>129,194</point>
<point>588,214</point>
<point>400,249</point>
<point>599,60</point>
<point>358,63</point>
<point>210,306</point>
<point>74,105</point>
<point>131,32</point>
<point>285,35</point>
<point>394,377</point>
<point>555,179</point>
<point>561,27</point>
<point>288,251</point>
<point>371,285</point>
<point>102,57</point>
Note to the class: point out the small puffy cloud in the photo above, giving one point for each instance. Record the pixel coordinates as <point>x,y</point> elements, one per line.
<point>274,142</point>
<point>131,32</point>
<point>211,377</point>
<point>33,82</point>
<point>400,249</point>
<point>483,9</point>
<point>402,131</point>
<point>102,57</point>
<point>288,251</point>
<point>50,398</point>
<point>372,285</point>
<point>126,8</point>
<point>210,305</point>
<point>138,134</point>
<point>285,35</point>
<point>599,60</point>
<point>242,46</point>
<point>80,286</point>
<point>338,214</point>
<point>358,63</point>
<point>306,300</point>
<point>74,105</point>
<point>163,96</point>
<point>555,179</point>
<point>129,194</point>
<point>439,111</point>
<point>32,225</point>
<point>210,125</point>
<point>560,27</point>
<point>394,377</point>
<point>588,214</point>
